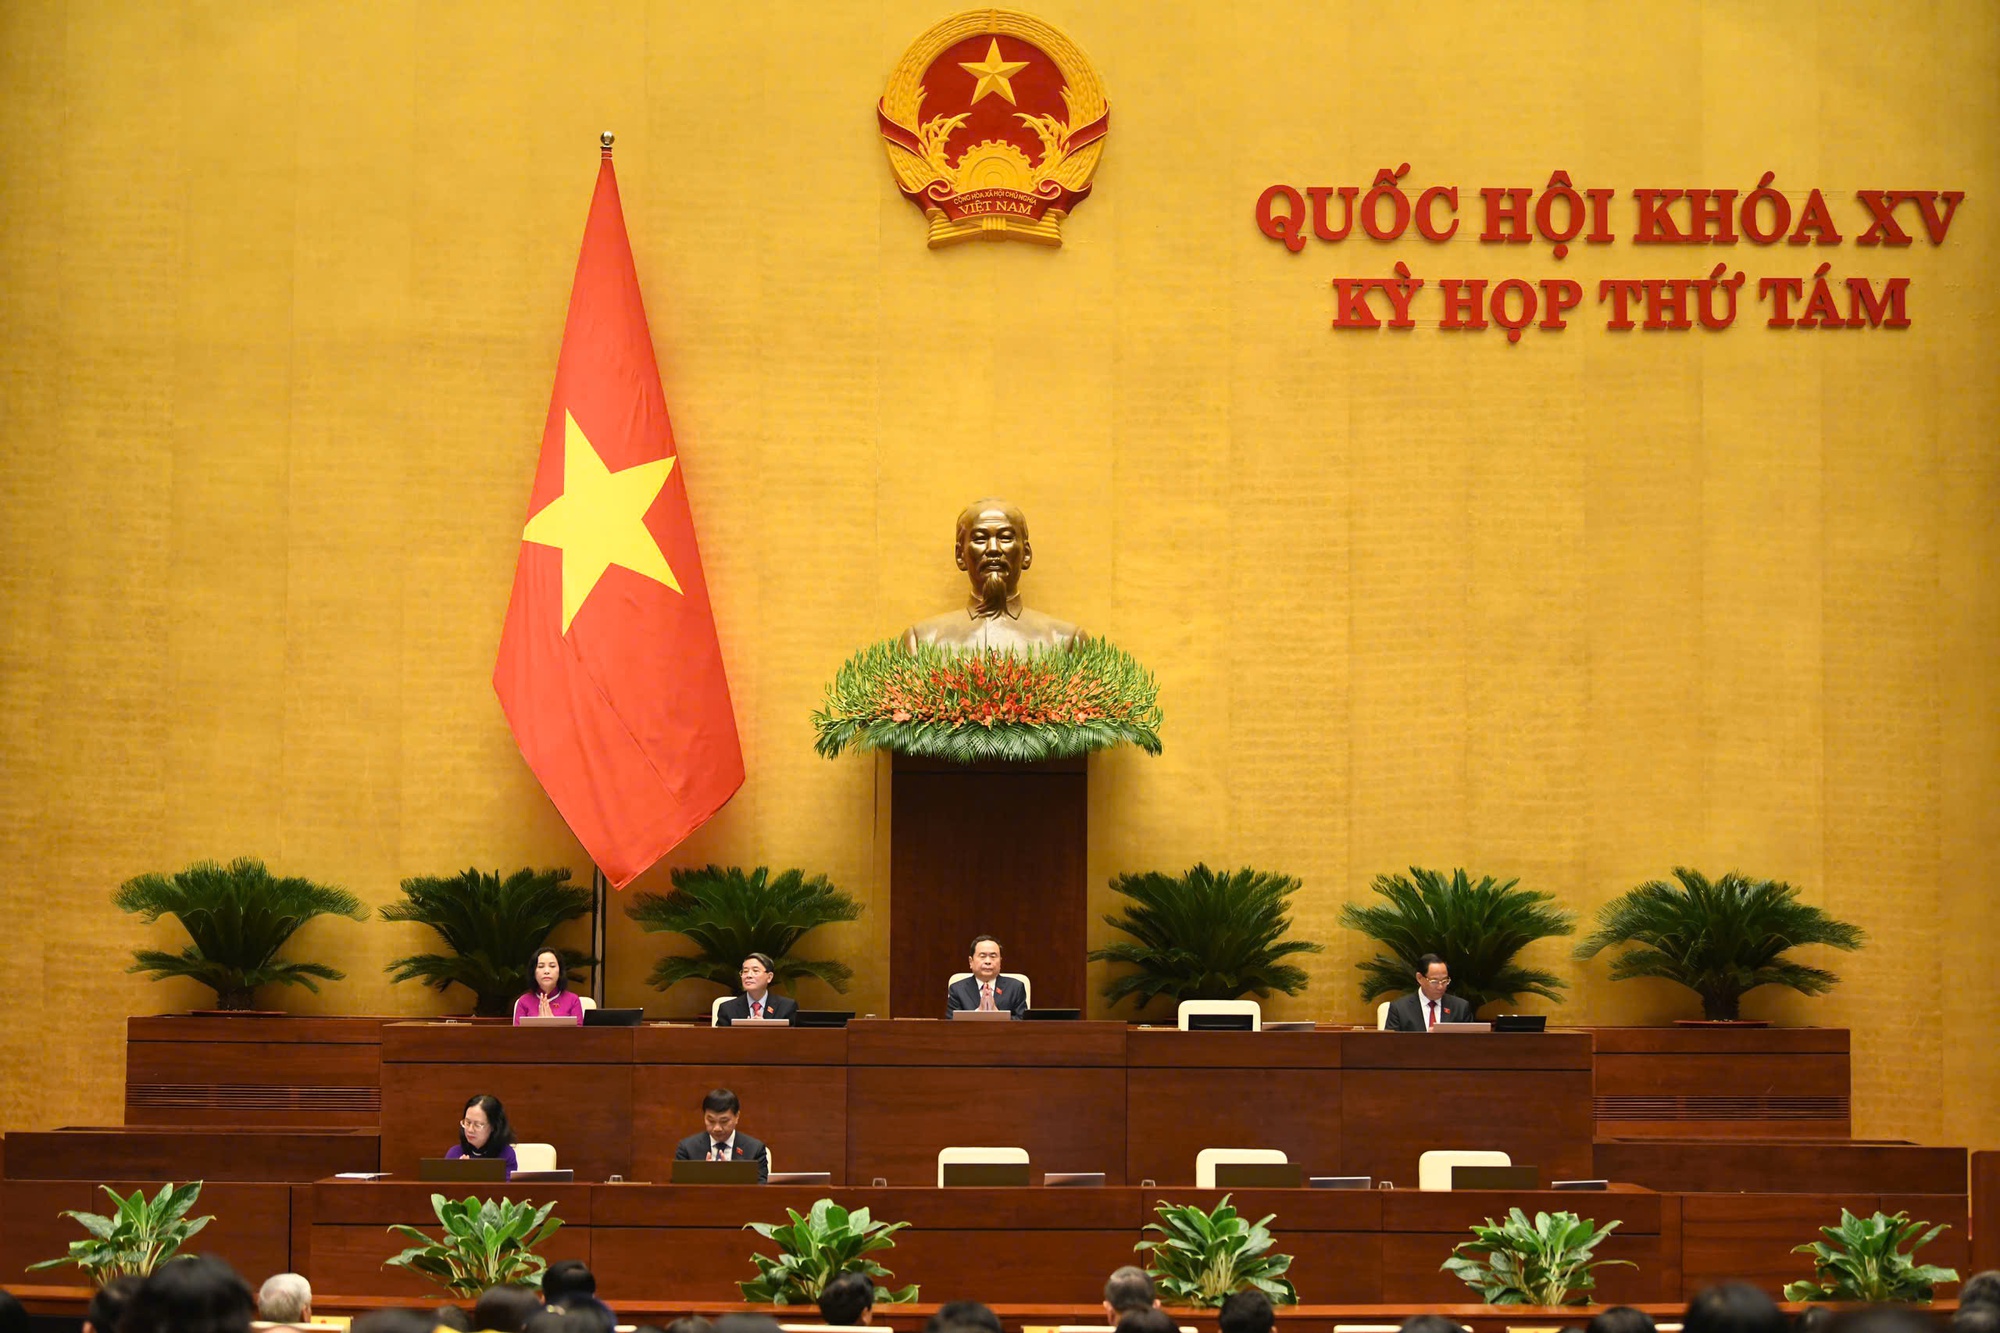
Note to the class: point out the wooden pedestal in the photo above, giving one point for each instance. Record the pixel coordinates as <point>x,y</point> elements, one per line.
<point>995,849</point>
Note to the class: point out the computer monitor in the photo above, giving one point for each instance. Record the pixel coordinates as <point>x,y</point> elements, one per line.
<point>1220,1022</point>
<point>821,1018</point>
<point>613,1018</point>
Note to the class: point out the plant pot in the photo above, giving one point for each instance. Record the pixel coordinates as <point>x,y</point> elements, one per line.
<point>1722,1022</point>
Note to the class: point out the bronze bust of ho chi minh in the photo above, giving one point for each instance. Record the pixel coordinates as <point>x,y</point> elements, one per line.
<point>992,549</point>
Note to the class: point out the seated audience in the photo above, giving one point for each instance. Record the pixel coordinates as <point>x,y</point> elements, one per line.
<point>107,1306</point>
<point>1429,1323</point>
<point>848,1299</point>
<point>693,1323</point>
<point>961,1315</point>
<point>1733,1307</point>
<point>394,1321</point>
<point>1980,1289</point>
<point>548,994</point>
<point>483,1131</point>
<point>1246,1311</point>
<point>555,1319</point>
<point>1147,1321</point>
<point>452,1317</point>
<point>1880,1319</point>
<point>1126,1290</point>
<point>1978,1317</point>
<point>571,1286</point>
<point>719,1140</point>
<point>13,1319</point>
<point>285,1298</point>
<point>756,1000</point>
<point>1620,1319</point>
<point>506,1309</point>
<point>1812,1319</point>
<point>194,1295</point>
<point>745,1323</point>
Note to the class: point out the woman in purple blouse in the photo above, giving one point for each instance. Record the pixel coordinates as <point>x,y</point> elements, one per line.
<point>547,996</point>
<point>483,1131</point>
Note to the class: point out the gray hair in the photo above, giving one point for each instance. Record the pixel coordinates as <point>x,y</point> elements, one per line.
<point>1129,1289</point>
<point>284,1298</point>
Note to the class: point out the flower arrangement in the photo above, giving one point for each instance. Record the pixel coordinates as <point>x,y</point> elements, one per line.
<point>972,707</point>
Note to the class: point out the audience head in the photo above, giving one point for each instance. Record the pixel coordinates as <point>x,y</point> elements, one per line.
<point>107,1307</point>
<point>1978,1317</point>
<point>545,973</point>
<point>1247,1311</point>
<point>1880,1319</point>
<point>1620,1319</point>
<point>394,1321</point>
<point>1429,1323</point>
<point>558,1319</point>
<point>691,1324</point>
<point>1812,1319</point>
<point>1733,1307</point>
<point>194,1295</point>
<point>847,1299</point>
<point>483,1130</point>
<point>1147,1321</point>
<point>452,1317</point>
<point>285,1298</point>
<point>1980,1289</point>
<point>566,1279</point>
<point>13,1319</point>
<point>1128,1288</point>
<point>505,1309</point>
<point>964,1315</point>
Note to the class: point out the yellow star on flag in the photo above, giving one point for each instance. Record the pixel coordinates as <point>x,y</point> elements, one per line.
<point>993,73</point>
<point>599,520</point>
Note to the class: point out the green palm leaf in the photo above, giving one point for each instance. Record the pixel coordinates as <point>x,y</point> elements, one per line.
<point>1718,939</point>
<point>1476,928</point>
<point>237,918</point>
<point>1204,936</point>
<point>730,913</point>
<point>491,927</point>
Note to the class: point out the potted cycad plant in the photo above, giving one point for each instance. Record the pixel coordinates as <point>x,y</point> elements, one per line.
<point>730,913</point>
<point>237,918</point>
<point>492,927</point>
<point>1204,935</point>
<point>1477,928</point>
<point>1719,939</point>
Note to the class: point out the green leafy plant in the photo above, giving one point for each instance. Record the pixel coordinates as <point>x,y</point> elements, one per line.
<point>817,1248</point>
<point>1544,1262</point>
<point>730,914</point>
<point>1476,928</point>
<point>1718,939</point>
<point>1204,936</point>
<point>1866,1261</point>
<point>1200,1257</point>
<point>139,1236</point>
<point>237,916</point>
<point>492,926</point>
<point>989,704</point>
<point>483,1244</point>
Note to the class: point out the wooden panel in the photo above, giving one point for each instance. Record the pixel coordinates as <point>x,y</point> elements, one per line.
<point>585,1110</point>
<point>1172,1114</point>
<point>331,1030</point>
<point>1420,1228</point>
<point>1750,1236</point>
<point>937,1042</point>
<point>252,1227</point>
<point>1985,1211</point>
<point>799,1110</point>
<point>495,1043</point>
<point>898,1118</point>
<point>205,1082</point>
<point>1365,1048</point>
<point>1780,1167</point>
<point>235,1154</point>
<point>687,1044</point>
<point>1170,1048</point>
<point>1390,1117</point>
<point>1777,1083</point>
<point>1454,1211</point>
<point>987,849</point>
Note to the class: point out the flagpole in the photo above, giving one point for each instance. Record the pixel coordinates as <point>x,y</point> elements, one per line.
<point>600,893</point>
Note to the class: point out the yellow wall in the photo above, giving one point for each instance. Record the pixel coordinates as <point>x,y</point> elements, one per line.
<point>282,285</point>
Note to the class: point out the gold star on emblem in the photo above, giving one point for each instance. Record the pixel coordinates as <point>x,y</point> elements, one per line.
<point>993,73</point>
<point>599,520</point>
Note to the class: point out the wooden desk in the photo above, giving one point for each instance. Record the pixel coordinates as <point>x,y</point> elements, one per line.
<point>162,1152</point>
<point>1185,1091</point>
<point>281,1071</point>
<point>1760,1083</point>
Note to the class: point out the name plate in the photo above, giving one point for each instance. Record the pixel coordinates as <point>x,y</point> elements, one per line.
<point>760,1022</point>
<point>981,1016</point>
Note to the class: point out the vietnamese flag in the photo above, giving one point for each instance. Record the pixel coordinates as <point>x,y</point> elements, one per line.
<point>610,673</point>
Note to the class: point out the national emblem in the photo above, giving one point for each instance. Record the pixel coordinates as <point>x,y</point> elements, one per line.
<point>994,122</point>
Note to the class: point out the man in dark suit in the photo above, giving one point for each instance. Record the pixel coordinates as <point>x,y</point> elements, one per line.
<point>719,1141</point>
<point>986,988</point>
<point>1430,1006</point>
<point>756,1001</point>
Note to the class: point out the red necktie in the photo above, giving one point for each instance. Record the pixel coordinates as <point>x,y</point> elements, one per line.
<point>1434,1012</point>
<point>756,1008</point>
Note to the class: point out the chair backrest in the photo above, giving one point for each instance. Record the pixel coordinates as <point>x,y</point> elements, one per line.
<point>1381,1025</point>
<point>1207,1159</point>
<point>1434,1167</point>
<point>1027,986</point>
<point>1250,1007</point>
<point>586,1001</point>
<point>715,1010</point>
<point>979,1157</point>
<point>535,1156</point>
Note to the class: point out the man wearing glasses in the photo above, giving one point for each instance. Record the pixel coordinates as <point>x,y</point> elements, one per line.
<point>1430,1006</point>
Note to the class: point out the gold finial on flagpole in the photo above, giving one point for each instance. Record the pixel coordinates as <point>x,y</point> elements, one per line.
<point>605,139</point>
